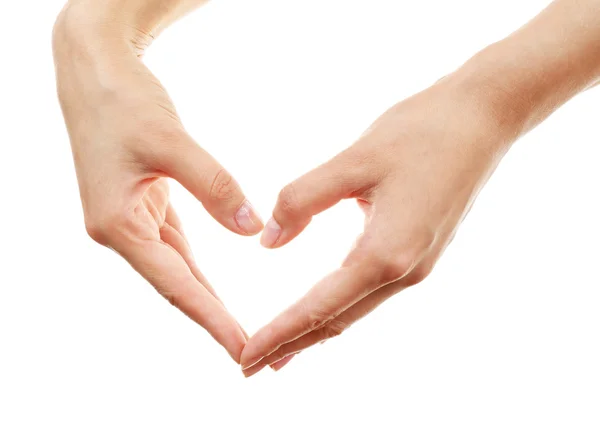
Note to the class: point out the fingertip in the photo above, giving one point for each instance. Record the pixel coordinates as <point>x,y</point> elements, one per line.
<point>231,336</point>
<point>275,236</point>
<point>236,346</point>
<point>247,363</point>
<point>250,355</point>
<point>271,234</point>
<point>244,358</point>
<point>249,372</point>
<point>248,220</point>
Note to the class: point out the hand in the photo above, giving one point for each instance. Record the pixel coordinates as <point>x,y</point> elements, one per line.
<point>127,139</point>
<point>415,173</point>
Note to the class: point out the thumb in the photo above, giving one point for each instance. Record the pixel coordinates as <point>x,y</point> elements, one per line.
<point>340,178</point>
<point>201,174</point>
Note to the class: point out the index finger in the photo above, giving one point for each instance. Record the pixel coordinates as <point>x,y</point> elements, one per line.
<point>167,271</point>
<point>325,301</point>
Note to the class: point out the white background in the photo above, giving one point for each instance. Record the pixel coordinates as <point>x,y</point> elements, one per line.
<point>506,327</point>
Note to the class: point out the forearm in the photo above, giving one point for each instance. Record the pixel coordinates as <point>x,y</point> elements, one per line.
<point>541,66</point>
<point>521,79</point>
<point>97,45</point>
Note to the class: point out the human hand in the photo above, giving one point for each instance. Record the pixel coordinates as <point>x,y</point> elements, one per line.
<point>127,139</point>
<point>415,173</point>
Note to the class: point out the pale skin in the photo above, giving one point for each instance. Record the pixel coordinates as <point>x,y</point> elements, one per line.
<point>415,172</point>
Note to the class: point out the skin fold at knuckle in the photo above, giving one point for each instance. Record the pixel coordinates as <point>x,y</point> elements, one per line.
<point>173,297</point>
<point>418,274</point>
<point>317,318</point>
<point>390,267</point>
<point>103,227</point>
<point>287,201</point>
<point>171,285</point>
<point>361,168</point>
<point>333,329</point>
<point>115,226</point>
<point>223,187</point>
<point>275,356</point>
<point>97,230</point>
<point>398,266</point>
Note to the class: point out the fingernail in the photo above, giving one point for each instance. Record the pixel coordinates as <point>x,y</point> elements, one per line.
<point>282,363</point>
<point>247,219</point>
<point>271,233</point>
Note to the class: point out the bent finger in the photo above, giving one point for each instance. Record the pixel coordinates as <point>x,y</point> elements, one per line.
<point>342,177</point>
<point>203,176</point>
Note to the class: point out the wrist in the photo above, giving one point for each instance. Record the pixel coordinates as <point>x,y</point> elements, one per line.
<point>128,18</point>
<point>93,53</point>
<point>484,102</point>
<point>110,26</point>
<point>84,32</point>
<point>524,78</point>
<point>500,91</point>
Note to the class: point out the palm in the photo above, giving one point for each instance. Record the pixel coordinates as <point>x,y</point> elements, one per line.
<point>159,228</point>
<point>152,210</point>
<point>126,140</point>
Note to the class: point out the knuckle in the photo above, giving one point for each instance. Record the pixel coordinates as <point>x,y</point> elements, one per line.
<point>316,319</point>
<point>223,187</point>
<point>173,297</point>
<point>398,266</point>
<point>102,227</point>
<point>418,274</point>
<point>287,202</point>
<point>277,355</point>
<point>334,328</point>
<point>391,267</point>
<point>96,230</point>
